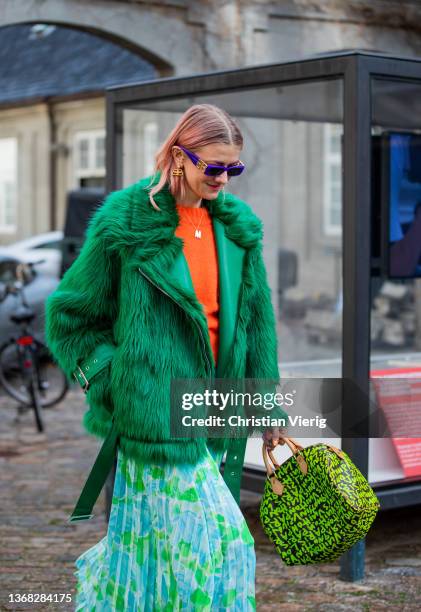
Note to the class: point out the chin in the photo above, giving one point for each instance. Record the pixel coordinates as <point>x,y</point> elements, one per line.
<point>213,195</point>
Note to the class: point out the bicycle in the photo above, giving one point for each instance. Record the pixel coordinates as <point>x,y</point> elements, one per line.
<point>28,372</point>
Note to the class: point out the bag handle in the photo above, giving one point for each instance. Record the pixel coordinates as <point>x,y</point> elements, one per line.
<point>295,448</point>
<point>277,485</point>
<point>298,447</point>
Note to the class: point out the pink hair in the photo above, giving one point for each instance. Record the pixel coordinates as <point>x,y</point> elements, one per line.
<point>200,125</point>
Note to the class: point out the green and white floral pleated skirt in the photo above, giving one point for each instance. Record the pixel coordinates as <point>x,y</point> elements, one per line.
<point>176,540</point>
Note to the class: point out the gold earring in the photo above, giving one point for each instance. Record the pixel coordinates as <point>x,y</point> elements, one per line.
<point>178,172</point>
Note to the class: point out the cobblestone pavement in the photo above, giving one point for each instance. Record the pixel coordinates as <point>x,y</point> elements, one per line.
<point>42,475</point>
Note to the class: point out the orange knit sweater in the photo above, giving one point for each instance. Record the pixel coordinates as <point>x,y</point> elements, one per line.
<point>201,256</point>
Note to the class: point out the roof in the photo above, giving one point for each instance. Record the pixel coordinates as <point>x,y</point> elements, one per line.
<point>370,52</point>
<point>40,61</point>
<point>251,69</point>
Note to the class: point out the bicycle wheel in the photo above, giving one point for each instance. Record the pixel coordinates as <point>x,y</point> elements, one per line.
<point>51,381</point>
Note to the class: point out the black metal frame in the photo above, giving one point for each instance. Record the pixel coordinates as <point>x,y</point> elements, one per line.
<point>356,68</point>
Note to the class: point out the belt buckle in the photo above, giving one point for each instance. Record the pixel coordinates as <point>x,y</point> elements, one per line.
<point>80,517</point>
<point>85,389</point>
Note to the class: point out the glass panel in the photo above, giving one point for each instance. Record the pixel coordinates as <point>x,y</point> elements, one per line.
<point>395,288</point>
<point>150,140</point>
<point>293,154</point>
<point>320,102</point>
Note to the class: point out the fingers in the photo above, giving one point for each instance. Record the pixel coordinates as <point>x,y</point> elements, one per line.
<point>271,443</point>
<point>273,437</point>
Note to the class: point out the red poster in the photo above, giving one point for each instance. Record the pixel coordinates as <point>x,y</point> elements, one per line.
<point>400,401</point>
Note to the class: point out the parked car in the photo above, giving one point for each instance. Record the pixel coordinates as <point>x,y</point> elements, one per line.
<point>58,248</point>
<point>46,246</point>
<point>37,287</point>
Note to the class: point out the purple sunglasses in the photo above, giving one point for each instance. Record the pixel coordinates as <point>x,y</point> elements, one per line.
<point>212,169</point>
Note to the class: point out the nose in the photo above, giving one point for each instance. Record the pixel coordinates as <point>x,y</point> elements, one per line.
<point>222,178</point>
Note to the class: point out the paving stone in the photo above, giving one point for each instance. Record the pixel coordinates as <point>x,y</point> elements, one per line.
<point>407,562</point>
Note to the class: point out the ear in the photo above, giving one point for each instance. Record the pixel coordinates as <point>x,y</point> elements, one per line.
<point>177,153</point>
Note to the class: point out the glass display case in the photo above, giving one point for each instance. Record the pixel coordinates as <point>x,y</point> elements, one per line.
<point>322,138</point>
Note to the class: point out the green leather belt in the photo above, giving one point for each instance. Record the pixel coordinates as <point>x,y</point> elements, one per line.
<point>233,467</point>
<point>97,477</point>
<point>92,365</point>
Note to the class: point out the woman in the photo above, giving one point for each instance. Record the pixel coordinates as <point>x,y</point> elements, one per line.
<point>170,284</point>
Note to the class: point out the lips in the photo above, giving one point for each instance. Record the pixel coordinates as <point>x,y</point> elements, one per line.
<point>212,186</point>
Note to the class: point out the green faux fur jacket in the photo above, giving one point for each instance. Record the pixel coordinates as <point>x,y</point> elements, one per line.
<point>119,291</point>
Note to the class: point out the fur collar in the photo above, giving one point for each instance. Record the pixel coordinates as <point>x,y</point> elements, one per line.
<point>153,230</point>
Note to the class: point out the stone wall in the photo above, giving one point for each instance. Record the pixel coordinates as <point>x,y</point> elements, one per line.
<point>184,37</point>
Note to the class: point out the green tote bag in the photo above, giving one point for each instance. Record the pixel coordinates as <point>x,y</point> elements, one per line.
<point>316,504</point>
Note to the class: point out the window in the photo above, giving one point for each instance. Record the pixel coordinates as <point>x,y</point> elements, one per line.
<point>8,184</point>
<point>53,244</point>
<point>332,200</point>
<point>90,158</point>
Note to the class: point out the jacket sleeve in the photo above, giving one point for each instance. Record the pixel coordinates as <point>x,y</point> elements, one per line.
<point>80,313</point>
<point>262,370</point>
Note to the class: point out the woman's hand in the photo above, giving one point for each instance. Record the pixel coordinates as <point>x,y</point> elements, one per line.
<point>272,437</point>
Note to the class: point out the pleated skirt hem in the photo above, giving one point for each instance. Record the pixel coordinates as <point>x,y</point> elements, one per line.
<point>176,541</point>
